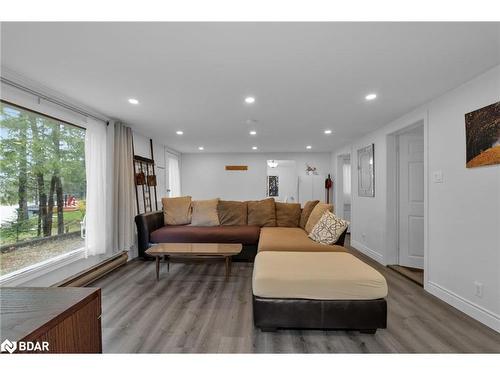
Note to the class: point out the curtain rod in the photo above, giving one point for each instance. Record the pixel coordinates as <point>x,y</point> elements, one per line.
<point>50,99</point>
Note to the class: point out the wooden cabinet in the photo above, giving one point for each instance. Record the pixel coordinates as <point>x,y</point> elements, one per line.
<point>68,319</point>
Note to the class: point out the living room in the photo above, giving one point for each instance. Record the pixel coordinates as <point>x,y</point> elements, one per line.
<point>250,187</point>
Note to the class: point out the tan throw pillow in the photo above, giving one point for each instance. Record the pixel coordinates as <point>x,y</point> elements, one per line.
<point>316,214</point>
<point>232,212</point>
<point>204,213</point>
<point>306,212</point>
<point>287,214</point>
<point>176,211</point>
<point>262,213</point>
<point>328,229</point>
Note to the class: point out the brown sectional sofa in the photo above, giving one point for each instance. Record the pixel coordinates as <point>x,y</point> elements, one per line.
<point>273,227</point>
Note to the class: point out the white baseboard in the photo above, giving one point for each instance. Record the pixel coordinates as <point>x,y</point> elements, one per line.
<point>477,312</point>
<point>367,251</point>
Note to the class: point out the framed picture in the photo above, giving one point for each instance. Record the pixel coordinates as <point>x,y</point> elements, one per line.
<point>366,171</point>
<point>482,136</point>
<point>272,186</point>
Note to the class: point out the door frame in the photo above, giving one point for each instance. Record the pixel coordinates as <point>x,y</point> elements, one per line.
<point>392,224</point>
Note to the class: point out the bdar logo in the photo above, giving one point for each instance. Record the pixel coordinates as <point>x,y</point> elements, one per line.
<point>8,346</point>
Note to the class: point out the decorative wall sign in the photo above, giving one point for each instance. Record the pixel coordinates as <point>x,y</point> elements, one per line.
<point>236,167</point>
<point>482,133</point>
<point>366,171</point>
<point>272,186</point>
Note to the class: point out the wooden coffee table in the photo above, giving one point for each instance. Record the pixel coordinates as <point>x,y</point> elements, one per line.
<point>194,250</point>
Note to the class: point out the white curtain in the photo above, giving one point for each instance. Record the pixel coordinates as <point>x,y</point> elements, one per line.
<point>124,204</point>
<point>174,177</point>
<point>96,223</point>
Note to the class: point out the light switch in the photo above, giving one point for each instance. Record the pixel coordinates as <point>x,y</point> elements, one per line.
<point>437,177</point>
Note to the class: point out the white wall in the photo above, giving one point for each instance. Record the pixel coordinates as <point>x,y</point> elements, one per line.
<point>463,212</point>
<point>203,176</point>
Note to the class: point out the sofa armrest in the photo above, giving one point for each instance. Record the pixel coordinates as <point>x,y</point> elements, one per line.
<point>147,223</point>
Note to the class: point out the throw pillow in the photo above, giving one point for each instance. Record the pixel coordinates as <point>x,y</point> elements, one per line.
<point>232,212</point>
<point>287,214</point>
<point>306,212</point>
<point>316,214</point>
<point>328,229</point>
<point>176,211</point>
<point>262,213</point>
<point>205,213</point>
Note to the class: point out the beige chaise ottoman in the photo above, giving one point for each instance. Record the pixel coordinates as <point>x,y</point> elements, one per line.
<point>310,290</point>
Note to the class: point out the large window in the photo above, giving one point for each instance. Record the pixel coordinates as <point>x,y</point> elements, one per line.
<point>42,188</point>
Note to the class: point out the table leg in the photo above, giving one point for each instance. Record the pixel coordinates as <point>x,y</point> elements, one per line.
<point>166,259</point>
<point>158,268</point>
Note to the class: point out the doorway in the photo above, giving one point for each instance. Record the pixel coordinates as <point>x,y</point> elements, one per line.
<point>282,180</point>
<point>409,203</point>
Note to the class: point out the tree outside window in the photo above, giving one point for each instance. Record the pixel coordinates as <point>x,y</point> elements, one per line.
<point>42,187</point>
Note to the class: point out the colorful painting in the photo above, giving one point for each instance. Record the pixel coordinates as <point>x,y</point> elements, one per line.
<point>482,132</point>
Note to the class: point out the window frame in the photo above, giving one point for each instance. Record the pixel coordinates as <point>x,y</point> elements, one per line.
<point>39,269</point>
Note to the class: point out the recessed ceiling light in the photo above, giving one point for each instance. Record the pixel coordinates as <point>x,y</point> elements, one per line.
<point>253,132</point>
<point>371,96</point>
<point>201,148</point>
<point>133,101</point>
<point>179,132</point>
<point>308,147</point>
<point>249,100</point>
<point>254,147</point>
<point>328,131</point>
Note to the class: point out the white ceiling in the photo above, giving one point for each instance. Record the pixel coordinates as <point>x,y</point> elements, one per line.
<point>306,77</point>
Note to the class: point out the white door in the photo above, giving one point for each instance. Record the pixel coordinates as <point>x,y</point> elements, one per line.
<point>411,198</point>
<point>311,188</point>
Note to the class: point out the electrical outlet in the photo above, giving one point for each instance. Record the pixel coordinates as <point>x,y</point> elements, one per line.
<point>479,288</point>
<point>363,236</point>
<point>437,177</point>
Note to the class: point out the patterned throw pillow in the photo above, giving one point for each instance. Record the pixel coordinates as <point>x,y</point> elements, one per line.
<point>328,229</point>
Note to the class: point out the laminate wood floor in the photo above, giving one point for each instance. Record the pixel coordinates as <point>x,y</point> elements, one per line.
<point>193,310</point>
<point>413,274</point>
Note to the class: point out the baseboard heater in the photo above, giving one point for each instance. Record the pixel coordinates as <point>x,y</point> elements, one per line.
<point>95,272</point>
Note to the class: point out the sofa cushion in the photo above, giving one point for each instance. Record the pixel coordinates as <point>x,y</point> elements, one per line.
<point>316,214</point>
<point>306,212</point>
<point>176,211</point>
<point>262,213</point>
<point>205,213</point>
<point>287,214</point>
<point>291,239</point>
<point>244,234</point>
<point>232,212</point>
<point>328,229</point>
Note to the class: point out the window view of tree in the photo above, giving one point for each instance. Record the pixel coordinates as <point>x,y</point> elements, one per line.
<point>42,188</point>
